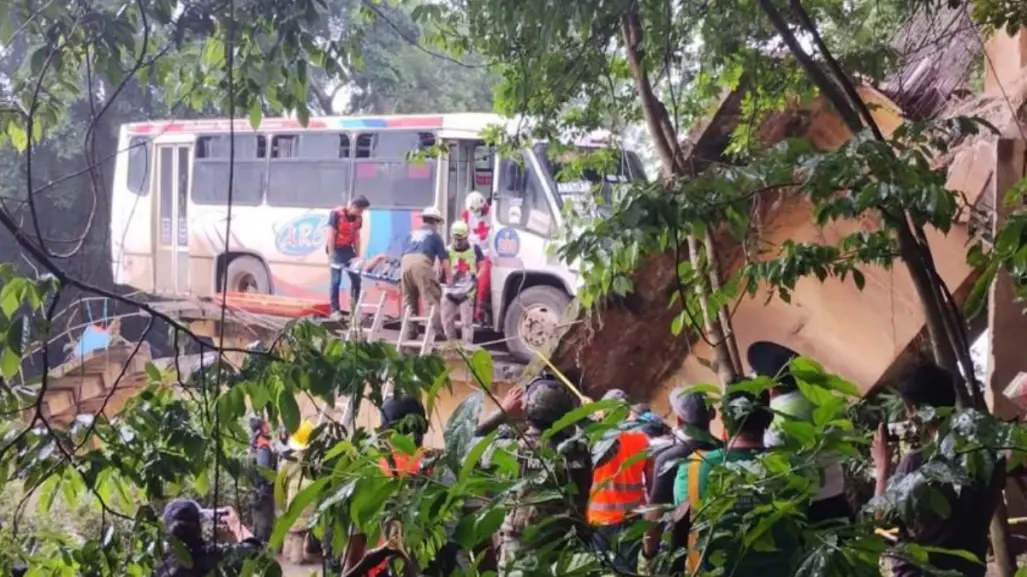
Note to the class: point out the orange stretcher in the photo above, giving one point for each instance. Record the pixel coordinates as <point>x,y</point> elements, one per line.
<point>273,305</point>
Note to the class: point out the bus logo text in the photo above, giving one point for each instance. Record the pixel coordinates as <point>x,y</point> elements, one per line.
<point>507,243</point>
<point>302,236</point>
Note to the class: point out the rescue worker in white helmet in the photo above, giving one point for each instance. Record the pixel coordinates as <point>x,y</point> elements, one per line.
<point>477,218</point>
<point>419,279</point>
<point>458,294</point>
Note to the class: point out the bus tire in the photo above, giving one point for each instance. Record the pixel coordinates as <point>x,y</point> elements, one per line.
<point>247,274</point>
<point>532,319</point>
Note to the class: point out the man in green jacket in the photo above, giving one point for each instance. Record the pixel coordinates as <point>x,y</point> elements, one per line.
<point>747,418</point>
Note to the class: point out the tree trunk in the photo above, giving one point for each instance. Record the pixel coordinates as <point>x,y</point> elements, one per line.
<point>675,165</point>
<point>942,323</point>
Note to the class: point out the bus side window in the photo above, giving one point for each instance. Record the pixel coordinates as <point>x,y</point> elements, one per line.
<point>307,171</point>
<point>213,165</point>
<point>365,145</point>
<point>388,176</point>
<point>284,146</point>
<point>139,165</point>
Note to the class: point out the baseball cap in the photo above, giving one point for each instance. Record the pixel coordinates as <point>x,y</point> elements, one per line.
<point>690,407</point>
<point>181,510</point>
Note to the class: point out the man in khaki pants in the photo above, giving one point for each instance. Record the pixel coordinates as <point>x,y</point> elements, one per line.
<point>419,278</point>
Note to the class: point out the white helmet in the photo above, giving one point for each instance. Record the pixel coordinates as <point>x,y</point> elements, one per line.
<point>431,213</point>
<point>475,201</point>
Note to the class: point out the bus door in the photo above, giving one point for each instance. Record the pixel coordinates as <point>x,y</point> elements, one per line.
<point>524,219</point>
<point>171,252</point>
<point>470,168</point>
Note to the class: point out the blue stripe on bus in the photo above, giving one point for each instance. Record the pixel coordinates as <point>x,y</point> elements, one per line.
<point>363,123</point>
<point>401,224</point>
<point>381,231</point>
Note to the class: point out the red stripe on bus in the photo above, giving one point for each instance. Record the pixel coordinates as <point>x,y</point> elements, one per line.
<point>416,122</point>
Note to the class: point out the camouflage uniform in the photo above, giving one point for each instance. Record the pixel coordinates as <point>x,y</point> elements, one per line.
<point>514,552</point>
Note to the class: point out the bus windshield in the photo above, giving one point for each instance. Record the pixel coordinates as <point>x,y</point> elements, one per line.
<point>584,173</point>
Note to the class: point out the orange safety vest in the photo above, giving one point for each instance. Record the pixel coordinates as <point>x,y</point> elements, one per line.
<point>346,232</point>
<point>619,488</point>
<point>404,465</point>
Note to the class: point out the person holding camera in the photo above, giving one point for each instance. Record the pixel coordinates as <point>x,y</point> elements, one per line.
<point>183,521</point>
<point>965,527</point>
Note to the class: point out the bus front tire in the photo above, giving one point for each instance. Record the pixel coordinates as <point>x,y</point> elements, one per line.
<point>247,274</point>
<point>532,320</point>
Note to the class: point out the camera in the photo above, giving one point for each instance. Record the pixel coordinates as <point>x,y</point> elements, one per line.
<point>900,431</point>
<point>213,514</point>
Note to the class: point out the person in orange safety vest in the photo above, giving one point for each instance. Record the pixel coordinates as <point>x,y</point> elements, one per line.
<point>621,481</point>
<point>406,415</point>
<point>342,245</point>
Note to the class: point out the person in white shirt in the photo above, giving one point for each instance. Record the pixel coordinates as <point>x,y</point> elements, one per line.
<point>787,402</point>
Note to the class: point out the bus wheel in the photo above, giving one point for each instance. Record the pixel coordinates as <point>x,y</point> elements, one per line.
<point>532,320</point>
<point>246,274</point>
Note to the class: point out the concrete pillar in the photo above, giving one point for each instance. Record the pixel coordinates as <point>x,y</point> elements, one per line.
<point>1007,58</point>
<point>1007,324</point>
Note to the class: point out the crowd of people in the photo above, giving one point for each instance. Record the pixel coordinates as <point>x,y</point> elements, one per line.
<point>646,469</point>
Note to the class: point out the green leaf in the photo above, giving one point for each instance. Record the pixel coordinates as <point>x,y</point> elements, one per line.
<point>464,535</point>
<point>19,138</point>
<point>480,364</point>
<point>436,387</point>
<point>181,553</point>
<point>488,524</point>
<point>460,428</point>
<point>153,373</point>
<point>214,55</point>
<point>579,414</point>
<point>978,297</point>
<point>6,31</point>
<point>403,443</point>
<point>288,409</point>
<point>678,324</point>
<point>281,486</point>
<point>302,500</point>
<point>10,363</point>
<point>474,455</point>
<point>303,114</point>
<point>12,295</point>
<point>859,279</point>
<point>256,115</point>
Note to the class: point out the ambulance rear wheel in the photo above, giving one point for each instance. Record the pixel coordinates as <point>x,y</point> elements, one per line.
<point>246,274</point>
<point>533,319</point>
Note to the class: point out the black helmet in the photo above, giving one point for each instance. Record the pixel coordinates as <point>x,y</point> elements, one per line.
<point>406,414</point>
<point>546,401</point>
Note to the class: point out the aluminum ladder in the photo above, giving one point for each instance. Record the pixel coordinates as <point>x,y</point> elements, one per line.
<point>360,310</point>
<point>407,322</point>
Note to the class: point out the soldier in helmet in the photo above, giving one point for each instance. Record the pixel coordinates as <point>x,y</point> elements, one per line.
<point>553,521</point>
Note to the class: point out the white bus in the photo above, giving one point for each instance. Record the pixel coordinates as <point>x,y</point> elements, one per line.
<point>169,207</point>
